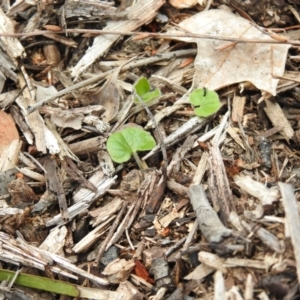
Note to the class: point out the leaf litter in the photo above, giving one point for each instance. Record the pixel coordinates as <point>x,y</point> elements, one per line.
<point>216,216</point>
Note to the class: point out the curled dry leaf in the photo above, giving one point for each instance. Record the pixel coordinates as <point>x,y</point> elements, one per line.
<point>22,194</point>
<point>109,97</point>
<point>218,66</point>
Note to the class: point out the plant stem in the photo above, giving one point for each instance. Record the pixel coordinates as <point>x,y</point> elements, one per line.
<point>141,163</point>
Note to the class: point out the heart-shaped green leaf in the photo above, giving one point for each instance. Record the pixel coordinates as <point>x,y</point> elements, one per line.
<point>121,144</point>
<point>206,102</point>
<point>142,88</point>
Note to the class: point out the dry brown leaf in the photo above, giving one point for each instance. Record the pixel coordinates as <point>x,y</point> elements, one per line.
<point>109,97</point>
<point>253,62</point>
<point>8,130</point>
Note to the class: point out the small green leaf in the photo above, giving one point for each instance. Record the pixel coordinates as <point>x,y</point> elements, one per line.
<point>142,88</point>
<point>121,144</point>
<point>206,102</point>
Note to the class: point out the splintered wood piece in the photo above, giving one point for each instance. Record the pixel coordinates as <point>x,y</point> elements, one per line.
<point>127,288</point>
<point>60,146</point>
<point>34,121</point>
<point>209,223</point>
<point>10,45</point>
<point>127,221</point>
<point>102,213</point>
<point>290,205</point>
<point>256,189</point>
<point>238,104</point>
<point>266,237</point>
<point>177,188</point>
<point>110,234</point>
<point>249,288</point>
<point>55,186</point>
<point>66,264</point>
<point>219,188</point>
<point>118,270</point>
<point>243,262</point>
<point>55,241</point>
<point>138,14</point>
<point>277,117</point>
<point>8,98</point>
<point>201,168</point>
<point>212,260</point>
<point>158,193</point>
<point>89,146</point>
<point>88,9</point>
<point>85,198</point>
<point>31,174</point>
<point>92,237</point>
<point>19,119</point>
<point>219,284</point>
<point>200,272</point>
<point>73,171</point>
<point>186,129</point>
<point>174,165</point>
<point>151,254</point>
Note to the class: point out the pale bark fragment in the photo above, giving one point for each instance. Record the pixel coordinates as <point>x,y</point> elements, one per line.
<point>290,206</point>
<point>186,129</point>
<point>238,104</point>
<point>266,237</point>
<point>212,260</point>
<point>243,262</point>
<point>277,117</point>
<point>200,272</point>
<point>219,188</point>
<point>249,288</point>
<point>210,225</point>
<point>219,286</point>
<point>256,189</point>
<point>92,236</point>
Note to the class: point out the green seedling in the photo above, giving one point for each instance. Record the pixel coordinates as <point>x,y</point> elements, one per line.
<point>142,88</point>
<point>122,144</point>
<point>205,102</point>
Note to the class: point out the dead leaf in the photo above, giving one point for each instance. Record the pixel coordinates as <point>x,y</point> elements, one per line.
<point>8,130</point>
<point>109,97</point>
<point>22,194</point>
<point>66,119</point>
<point>253,62</point>
<point>141,271</point>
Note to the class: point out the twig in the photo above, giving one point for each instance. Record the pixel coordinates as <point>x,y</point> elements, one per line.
<point>132,65</point>
<point>153,34</point>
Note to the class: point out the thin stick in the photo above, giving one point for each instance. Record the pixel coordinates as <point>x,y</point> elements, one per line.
<point>132,65</point>
<point>154,34</point>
